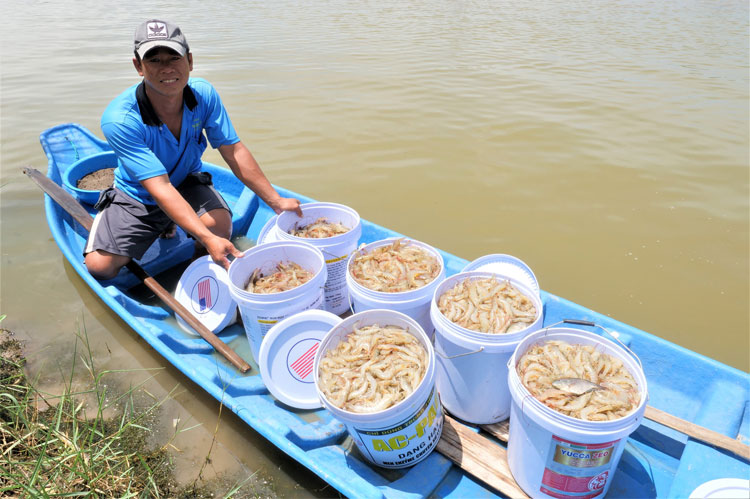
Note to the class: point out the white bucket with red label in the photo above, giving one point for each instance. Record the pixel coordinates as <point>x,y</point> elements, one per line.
<point>554,455</point>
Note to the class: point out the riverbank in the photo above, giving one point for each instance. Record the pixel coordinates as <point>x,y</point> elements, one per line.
<point>88,440</point>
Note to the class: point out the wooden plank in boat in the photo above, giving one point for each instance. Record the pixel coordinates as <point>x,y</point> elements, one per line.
<point>500,431</point>
<point>479,456</point>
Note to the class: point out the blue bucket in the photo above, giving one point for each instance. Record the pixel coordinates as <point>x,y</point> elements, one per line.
<point>83,167</point>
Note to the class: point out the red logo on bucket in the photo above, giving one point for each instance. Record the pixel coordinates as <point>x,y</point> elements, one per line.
<point>303,365</point>
<point>203,293</point>
<point>598,481</point>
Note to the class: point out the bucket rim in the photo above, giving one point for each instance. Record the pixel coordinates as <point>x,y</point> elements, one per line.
<point>356,229</point>
<point>579,424</point>
<point>73,172</point>
<point>282,296</point>
<point>394,296</point>
<point>364,417</point>
<point>495,339</point>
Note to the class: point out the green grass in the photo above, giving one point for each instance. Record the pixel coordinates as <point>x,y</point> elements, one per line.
<point>61,446</point>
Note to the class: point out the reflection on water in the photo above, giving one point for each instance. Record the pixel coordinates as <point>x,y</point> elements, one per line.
<point>604,144</point>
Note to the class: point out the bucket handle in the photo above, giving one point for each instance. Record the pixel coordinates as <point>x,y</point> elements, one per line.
<point>322,250</point>
<point>613,334</point>
<point>452,356</point>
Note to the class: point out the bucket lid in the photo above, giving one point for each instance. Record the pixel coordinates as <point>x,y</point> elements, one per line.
<point>287,353</point>
<point>505,265</point>
<point>203,289</point>
<point>722,488</point>
<point>265,235</point>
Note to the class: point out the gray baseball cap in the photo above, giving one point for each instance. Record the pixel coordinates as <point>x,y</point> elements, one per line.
<point>157,33</point>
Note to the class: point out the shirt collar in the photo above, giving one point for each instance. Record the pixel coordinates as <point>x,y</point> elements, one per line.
<point>148,115</point>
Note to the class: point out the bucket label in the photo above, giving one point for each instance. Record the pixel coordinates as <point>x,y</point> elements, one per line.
<point>336,291</point>
<point>576,470</point>
<point>407,442</point>
<point>266,322</point>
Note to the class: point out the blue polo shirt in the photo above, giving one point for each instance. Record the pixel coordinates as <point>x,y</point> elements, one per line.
<point>146,148</point>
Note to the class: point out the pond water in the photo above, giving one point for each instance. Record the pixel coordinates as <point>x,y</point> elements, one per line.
<point>606,145</point>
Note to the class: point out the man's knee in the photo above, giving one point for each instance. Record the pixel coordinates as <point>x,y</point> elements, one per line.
<point>102,265</point>
<point>219,222</point>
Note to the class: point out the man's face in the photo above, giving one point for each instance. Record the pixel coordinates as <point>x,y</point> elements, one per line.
<point>164,70</point>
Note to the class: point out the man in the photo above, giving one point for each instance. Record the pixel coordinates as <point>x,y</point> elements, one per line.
<point>156,129</point>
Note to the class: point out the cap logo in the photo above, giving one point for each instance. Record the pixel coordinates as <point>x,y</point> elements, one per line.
<point>157,31</point>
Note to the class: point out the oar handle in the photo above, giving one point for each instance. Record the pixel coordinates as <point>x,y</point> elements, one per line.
<point>79,213</point>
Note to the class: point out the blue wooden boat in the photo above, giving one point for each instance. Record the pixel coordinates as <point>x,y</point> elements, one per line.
<point>658,461</point>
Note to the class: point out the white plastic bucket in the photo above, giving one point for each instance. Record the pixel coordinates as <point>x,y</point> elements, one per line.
<point>261,311</point>
<point>405,433</point>
<point>472,367</point>
<point>554,455</point>
<point>336,249</point>
<point>414,303</point>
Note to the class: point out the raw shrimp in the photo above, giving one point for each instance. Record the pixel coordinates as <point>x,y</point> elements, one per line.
<point>487,305</point>
<point>396,267</point>
<point>319,229</point>
<point>578,381</point>
<point>288,276</point>
<point>372,368</point>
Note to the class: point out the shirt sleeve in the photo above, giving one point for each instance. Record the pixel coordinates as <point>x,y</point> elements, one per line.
<point>218,126</point>
<point>129,143</point>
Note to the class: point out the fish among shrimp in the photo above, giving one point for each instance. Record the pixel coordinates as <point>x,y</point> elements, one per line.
<point>373,368</point>
<point>579,381</point>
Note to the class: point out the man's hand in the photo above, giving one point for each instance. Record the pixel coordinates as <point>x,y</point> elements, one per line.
<point>286,204</point>
<point>169,232</point>
<point>219,248</point>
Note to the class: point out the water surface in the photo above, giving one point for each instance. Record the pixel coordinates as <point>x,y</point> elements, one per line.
<point>605,144</point>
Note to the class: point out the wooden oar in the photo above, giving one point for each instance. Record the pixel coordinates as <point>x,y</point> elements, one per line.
<point>74,208</point>
<point>698,432</point>
<point>713,438</point>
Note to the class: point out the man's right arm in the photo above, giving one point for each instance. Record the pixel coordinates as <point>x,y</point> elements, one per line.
<point>174,205</point>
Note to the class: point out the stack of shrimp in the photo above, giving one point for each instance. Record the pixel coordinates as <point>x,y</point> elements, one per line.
<point>488,306</point>
<point>319,229</point>
<point>544,364</point>
<point>287,276</point>
<point>372,369</point>
<point>395,268</point>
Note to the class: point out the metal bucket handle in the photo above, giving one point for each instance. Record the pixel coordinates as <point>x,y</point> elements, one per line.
<point>434,333</point>
<point>612,334</point>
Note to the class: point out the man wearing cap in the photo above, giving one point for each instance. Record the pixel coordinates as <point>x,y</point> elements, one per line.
<point>156,129</point>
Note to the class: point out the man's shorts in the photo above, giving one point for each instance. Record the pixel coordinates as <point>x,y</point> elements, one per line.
<point>127,227</point>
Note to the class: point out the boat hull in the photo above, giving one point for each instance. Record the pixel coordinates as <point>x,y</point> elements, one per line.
<point>657,462</point>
